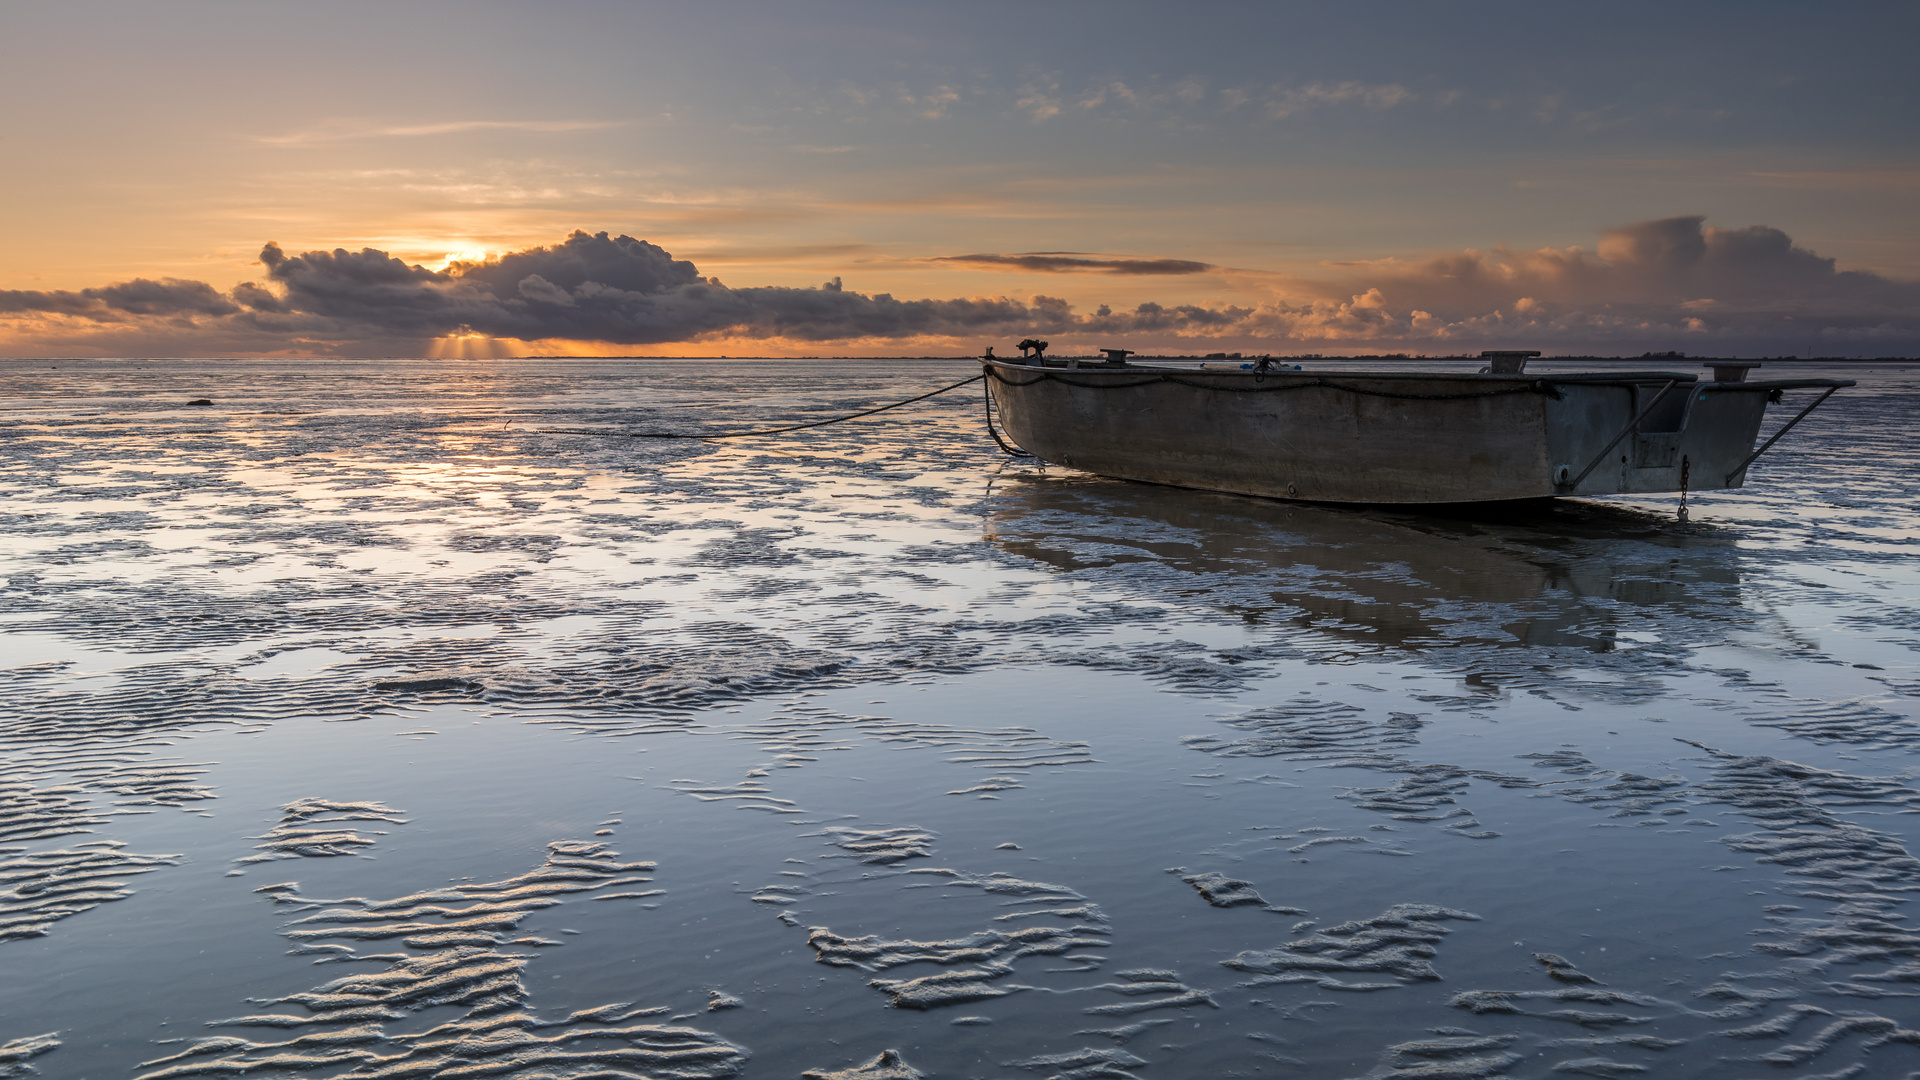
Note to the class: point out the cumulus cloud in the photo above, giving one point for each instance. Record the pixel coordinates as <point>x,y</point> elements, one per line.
<point>1055,262</point>
<point>1675,279</point>
<point>599,288</point>
<point>167,298</point>
<point>1665,284</point>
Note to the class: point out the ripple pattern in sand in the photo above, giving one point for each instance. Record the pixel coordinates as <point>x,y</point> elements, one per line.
<point>321,828</point>
<point>40,888</point>
<point>459,955</point>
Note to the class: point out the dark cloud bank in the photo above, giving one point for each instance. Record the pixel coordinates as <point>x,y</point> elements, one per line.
<point>1672,283</point>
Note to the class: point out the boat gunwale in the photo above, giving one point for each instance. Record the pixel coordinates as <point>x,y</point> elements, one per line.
<point>1319,375</point>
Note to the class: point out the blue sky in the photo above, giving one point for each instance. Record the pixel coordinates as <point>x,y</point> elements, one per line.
<point>1305,154</point>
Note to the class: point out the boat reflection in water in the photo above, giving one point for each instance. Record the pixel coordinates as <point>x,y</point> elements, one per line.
<point>1542,573</point>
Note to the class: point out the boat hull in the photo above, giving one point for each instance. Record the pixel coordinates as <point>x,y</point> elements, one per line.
<point>1386,437</point>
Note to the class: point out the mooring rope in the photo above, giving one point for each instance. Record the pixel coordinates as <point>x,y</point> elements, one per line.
<point>745,434</point>
<point>1536,386</point>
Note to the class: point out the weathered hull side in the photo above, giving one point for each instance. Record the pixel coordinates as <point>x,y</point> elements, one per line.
<point>1382,437</point>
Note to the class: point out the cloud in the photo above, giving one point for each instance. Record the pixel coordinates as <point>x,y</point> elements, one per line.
<point>1044,262</point>
<point>1281,102</point>
<point>166,298</point>
<point>1039,104</point>
<point>1674,277</point>
<point>1672,283</point>
<point>341,130</point>
<point>598,288</point>
<point>1190,99</point>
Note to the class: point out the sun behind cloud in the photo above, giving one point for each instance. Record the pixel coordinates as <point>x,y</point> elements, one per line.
<point>468,255</point>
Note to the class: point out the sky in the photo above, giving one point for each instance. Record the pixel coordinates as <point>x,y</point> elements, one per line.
<point>593,178</point>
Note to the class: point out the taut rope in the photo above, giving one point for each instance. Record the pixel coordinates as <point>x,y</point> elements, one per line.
<point>746,434</point>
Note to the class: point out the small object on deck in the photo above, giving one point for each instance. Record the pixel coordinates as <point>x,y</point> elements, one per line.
<point>1507,361</point>
<point>1117,357</point>
<point>1035,348</point>
<point>1732,371</point>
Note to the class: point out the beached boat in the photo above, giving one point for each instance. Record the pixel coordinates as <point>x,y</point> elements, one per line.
<point>1393,436</point>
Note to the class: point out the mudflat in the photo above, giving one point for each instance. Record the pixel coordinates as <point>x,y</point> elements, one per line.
<point>355,723</point>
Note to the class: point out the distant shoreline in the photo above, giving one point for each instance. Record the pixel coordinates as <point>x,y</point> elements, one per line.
<point>1393,358</point>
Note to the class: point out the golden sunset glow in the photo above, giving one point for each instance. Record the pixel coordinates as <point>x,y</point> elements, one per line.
<point>469,345</point>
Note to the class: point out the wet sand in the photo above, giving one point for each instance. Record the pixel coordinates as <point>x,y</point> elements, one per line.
<point>354,726</point>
